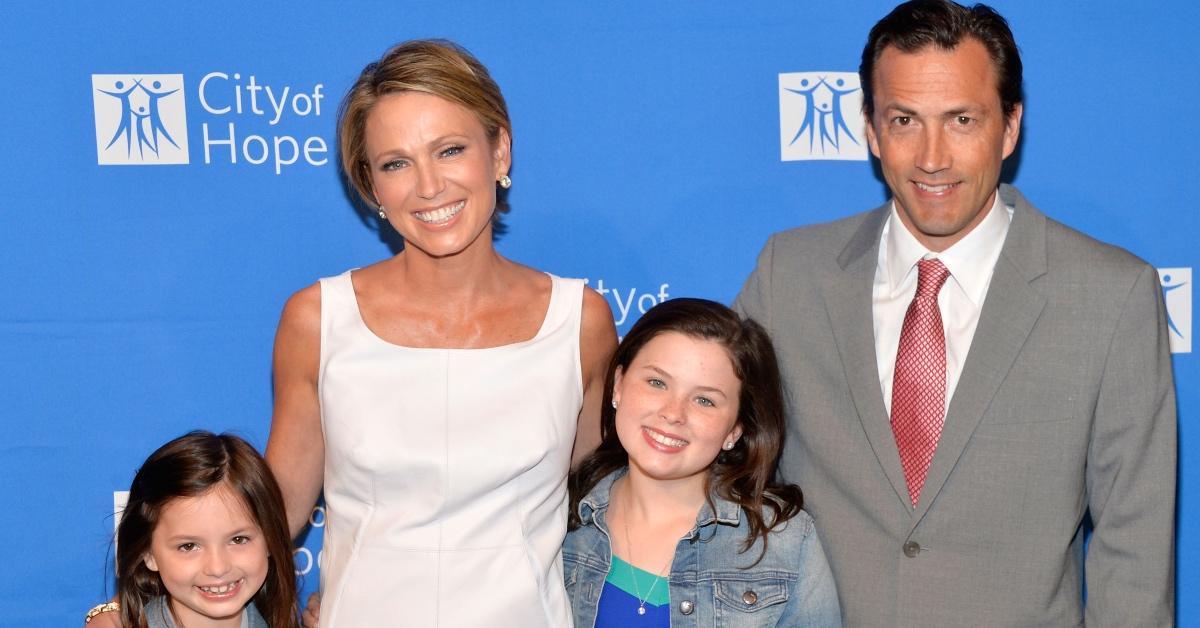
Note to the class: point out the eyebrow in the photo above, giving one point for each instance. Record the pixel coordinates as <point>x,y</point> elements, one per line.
<point>957,111</point>
<point>450,138</point>
<point>890,108</point>
<point>193,537</point>
<point>703,388</point>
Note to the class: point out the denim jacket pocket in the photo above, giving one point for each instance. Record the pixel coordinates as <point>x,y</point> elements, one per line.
<point>756,602</point>
<point>570,576</point>
<point>585,574</point>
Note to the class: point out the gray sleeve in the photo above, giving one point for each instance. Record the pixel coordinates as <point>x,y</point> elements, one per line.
<point>1131,471</point>
<point>754,301</point>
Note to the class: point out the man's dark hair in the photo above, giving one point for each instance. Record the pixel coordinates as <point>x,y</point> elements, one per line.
<point>914,25</point>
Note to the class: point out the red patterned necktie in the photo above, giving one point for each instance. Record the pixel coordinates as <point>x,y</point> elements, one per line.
<point>919,384</point>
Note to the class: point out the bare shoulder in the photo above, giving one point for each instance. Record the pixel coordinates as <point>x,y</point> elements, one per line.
<point>302,311</point>
<point>382,275</point>
<point>597,335</point>
<point>597,318</point>
<point>528,278</point>
<point>298,338</point>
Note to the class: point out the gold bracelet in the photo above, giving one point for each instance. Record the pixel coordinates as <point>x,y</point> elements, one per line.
<point>101,608</point>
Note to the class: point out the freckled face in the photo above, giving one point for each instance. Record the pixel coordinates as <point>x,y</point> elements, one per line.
<point>677,403</point>
<point>941,135</point>
<point>211,556</point>
<point>434,170</point>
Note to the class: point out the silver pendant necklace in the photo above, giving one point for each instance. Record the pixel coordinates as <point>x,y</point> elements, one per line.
<point>629,547</point>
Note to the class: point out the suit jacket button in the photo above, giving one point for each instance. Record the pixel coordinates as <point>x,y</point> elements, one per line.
<point>749,597</point>
<point>911,549</point>
<point>686,607</point>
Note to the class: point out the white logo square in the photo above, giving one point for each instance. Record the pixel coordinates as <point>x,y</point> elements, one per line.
<point>120,498</point>
<point>1177,293</point>
<point>141,119</point>
<point>820,117</point>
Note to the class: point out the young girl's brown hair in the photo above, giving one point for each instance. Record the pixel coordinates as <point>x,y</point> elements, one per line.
<point>745,475</point>
<point>191,466</point>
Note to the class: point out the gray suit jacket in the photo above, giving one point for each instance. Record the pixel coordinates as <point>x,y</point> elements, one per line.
<point>1065,408</point>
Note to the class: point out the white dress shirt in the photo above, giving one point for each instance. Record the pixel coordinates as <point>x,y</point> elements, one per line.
<point>970,261</point>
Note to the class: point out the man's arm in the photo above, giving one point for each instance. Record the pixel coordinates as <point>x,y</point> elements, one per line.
<point>1131,471</point>
<point>754,301</point>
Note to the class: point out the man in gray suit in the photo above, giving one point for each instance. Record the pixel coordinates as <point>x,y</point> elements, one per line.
<point>971,382</point>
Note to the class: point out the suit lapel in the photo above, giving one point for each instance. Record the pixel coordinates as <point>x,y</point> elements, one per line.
<point>849,304</point>
<point>1010,311</point>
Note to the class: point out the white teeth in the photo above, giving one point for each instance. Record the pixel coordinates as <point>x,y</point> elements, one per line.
<point>665,440</point>
<point>440,215</point>
<point>936,189</point>
<point>218,590</point>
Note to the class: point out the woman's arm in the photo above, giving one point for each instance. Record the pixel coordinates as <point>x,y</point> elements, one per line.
<point>296,447</point>
<point>597,341</point>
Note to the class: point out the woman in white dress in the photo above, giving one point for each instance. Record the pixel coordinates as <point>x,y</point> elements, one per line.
<point>436,395</point>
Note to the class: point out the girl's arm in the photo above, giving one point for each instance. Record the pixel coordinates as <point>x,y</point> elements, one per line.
<point>814,601</point>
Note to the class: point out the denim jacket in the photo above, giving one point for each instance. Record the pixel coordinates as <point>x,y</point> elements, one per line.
<point>158,616</point>
<point>709,582</point>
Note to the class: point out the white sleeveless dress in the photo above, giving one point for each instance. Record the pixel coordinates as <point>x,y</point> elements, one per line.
<point>445,472</point>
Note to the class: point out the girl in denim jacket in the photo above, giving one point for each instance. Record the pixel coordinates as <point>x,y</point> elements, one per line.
<point>676,519</point>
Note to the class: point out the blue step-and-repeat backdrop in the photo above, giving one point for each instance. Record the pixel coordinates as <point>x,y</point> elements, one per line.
<point>145,257</point>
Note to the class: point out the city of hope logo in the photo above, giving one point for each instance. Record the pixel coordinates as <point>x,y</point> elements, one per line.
<point>1177,293</point>
<point>820,117</point>
<point>140,119</point>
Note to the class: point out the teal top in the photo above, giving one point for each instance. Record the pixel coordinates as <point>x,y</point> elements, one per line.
<point>626,587</point>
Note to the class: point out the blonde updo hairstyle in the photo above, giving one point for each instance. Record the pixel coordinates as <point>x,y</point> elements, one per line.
<point>433,66</point>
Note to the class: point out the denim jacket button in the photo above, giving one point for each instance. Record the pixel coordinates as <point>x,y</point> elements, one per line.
<point>749,597</point>
<point>686,607</point>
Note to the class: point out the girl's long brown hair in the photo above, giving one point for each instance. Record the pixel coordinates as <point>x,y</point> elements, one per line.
<point>190,466</point>
<point>746,474</point>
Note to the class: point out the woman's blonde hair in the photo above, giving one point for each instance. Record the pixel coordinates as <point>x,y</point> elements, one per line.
<point>433,66</point>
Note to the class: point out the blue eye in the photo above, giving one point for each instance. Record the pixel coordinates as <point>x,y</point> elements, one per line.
<point>452,151</point>
<point>395,164</point>
<point>656,383</point>
<point>705,401</point>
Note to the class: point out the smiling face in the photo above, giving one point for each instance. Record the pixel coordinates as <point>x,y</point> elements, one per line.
<point>941,135</point>
<point>677,404</point>
<point>211,556</point>
<point>434,170</point>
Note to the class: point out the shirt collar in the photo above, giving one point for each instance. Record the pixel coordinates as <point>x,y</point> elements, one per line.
<point>970,260</point>
<point>597,500</point>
